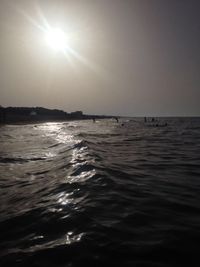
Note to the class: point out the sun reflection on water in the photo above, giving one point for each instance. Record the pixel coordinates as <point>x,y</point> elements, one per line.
<point>81,165</point>
<point>65,198</point>
<point>57,131</point>
<point>67,239</point>
<point>71,238</point>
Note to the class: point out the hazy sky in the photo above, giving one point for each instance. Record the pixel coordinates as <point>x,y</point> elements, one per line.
<point>128,57</point>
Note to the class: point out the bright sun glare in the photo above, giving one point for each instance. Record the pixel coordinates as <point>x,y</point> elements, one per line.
<point>56,39</point>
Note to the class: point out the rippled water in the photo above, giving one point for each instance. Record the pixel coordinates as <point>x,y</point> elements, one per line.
<point>96,194</point>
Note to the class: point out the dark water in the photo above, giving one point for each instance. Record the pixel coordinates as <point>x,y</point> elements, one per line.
<point>98,194</point>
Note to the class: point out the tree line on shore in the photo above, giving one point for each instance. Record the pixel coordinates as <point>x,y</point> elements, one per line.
<point>34,114</point>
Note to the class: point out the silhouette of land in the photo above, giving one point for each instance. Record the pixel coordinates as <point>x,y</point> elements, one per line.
<point>40,114</point>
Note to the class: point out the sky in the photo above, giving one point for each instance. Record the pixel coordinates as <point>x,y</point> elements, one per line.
<point>123,57</point>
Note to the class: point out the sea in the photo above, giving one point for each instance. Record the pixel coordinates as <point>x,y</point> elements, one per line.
<point>104,193</point>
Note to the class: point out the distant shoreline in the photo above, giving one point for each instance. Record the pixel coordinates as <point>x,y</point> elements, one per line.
<point>31,115</point>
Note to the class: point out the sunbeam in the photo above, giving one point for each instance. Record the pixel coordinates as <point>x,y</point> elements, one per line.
<point>62,41</point>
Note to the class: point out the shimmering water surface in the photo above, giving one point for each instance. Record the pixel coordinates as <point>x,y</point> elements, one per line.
<point>97,194</point>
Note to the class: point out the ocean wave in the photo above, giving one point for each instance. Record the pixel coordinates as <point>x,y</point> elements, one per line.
<point>80,193</point>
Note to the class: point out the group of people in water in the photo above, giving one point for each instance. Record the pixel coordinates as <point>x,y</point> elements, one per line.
<point>154,123</point>
<point>148,121</point>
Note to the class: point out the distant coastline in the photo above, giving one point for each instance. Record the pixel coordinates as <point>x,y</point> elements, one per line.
<point>13,115</point>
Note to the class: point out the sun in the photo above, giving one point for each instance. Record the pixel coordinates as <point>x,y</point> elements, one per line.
<point>56,39</point>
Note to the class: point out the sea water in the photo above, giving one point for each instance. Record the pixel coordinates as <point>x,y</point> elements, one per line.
<point>81,193</point>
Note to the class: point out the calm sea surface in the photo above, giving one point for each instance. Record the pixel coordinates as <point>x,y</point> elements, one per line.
<point>97,194</point>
